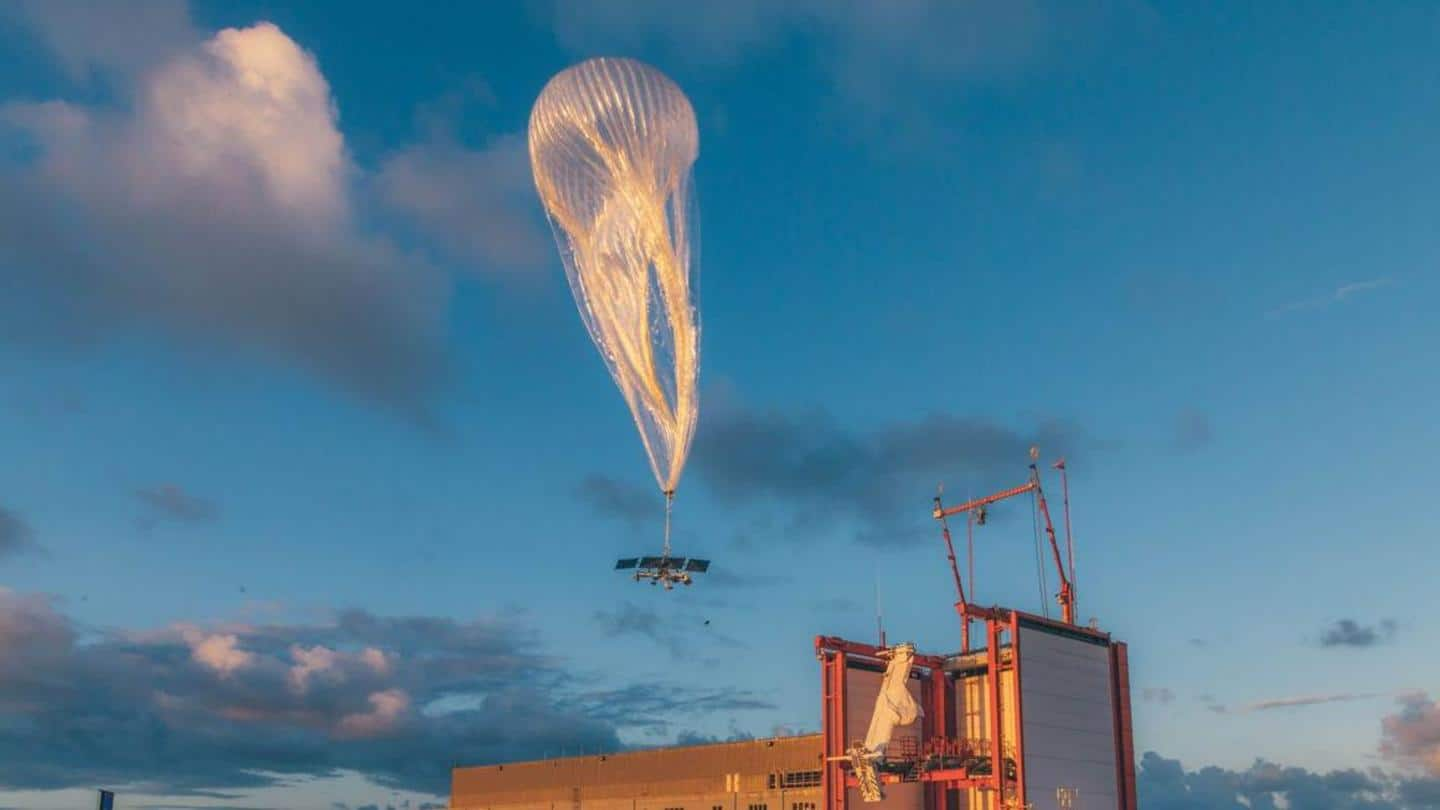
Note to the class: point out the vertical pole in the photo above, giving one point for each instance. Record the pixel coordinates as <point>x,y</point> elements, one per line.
<point>1124,732</point>
<point>1019,711</point>
<point>832,777</point>
<point>992,683</point>
<point>942,708</point>
<point>879,616</point>
<point>970,549</point>
<point>827,722</point>
<point>944,703</point>
<point>970,564</point>
<point>842,797</point>
<point>928,718</point>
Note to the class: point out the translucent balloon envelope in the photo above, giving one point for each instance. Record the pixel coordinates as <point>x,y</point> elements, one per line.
<point>612,142</point>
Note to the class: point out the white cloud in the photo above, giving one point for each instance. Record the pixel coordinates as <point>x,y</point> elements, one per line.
<point>220,652</point>
<point>386,709</point>
<point>248,116</point>
<point>333,666</point>
<point>308,662</point>
<point>244,120</point>
<point>375,659</point>
<point>1411,736</point>
<point>218,207</point>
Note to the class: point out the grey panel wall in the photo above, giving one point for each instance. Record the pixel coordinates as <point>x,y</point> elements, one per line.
<point>1069,722</point>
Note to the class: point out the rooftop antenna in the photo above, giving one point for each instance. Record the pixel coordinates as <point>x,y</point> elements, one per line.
<point>879,614</point>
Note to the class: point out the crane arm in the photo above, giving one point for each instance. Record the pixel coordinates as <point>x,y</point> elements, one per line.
<point>958,509</point>
<point>950,552</point>
<point>941,513</point>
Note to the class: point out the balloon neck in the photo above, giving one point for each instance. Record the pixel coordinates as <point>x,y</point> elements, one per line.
<point>669,501</point>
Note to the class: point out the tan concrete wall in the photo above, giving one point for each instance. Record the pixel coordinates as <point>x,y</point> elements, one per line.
<point>729,776</point>
<point>800,799</point>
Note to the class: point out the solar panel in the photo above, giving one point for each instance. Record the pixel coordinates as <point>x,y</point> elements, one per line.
<point>628,562</point>
<point>698,566</point>
<point>651,562</point>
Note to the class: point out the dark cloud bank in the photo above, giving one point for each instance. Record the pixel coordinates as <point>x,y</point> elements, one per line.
<point>1350,633</point>
<point>679,632</point>
<point>15,534</point>
<point>820,473</point>
<point>1164,784</point>
<point>169,502</point>
<point>208,711</point>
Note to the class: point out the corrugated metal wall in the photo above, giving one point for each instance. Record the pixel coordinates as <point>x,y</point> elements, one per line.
<point>1069,720</point>
<point>749,775</point>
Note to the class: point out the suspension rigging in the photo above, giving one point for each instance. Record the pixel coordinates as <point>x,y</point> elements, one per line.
<point>975,514</point>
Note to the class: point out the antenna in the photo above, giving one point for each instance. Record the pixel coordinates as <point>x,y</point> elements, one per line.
<point>879,614</point>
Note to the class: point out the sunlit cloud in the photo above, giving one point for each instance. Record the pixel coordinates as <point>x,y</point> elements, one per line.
<point>193,709</point>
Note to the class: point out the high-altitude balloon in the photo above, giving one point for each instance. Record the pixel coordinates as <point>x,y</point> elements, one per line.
<point>612,142</point>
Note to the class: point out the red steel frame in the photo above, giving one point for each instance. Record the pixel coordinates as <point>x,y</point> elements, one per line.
<point>939,698</point>
<point>1066,597</point>
<point>938,722</point>
<point>938,692</point>
<point>1124,731</point>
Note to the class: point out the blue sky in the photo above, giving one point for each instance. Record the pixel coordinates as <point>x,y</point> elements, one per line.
<point>1188,246</point>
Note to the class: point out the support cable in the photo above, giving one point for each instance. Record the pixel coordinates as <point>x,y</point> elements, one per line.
<point>970,550</point>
